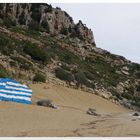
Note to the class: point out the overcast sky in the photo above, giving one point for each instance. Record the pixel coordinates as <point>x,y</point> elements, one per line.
<point>116,27</point>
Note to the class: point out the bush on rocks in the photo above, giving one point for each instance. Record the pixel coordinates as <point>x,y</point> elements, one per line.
<point>39,78</point>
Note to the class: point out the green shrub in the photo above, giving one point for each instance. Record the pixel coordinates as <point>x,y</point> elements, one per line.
<point>81,78</point>
<point>34,33</point>
<point>128,96</point>
<point>7,46</point>
<point>137,98</point>
<point>35,52</point>
<point>9,22</point>
<point>119,96</point>
<point>4,40</point>
<point>23,63</point>
<point>39,78</point>
<point>65,67</point>
<point>107,73</point>
<point>63,74</point>
<point>89,75</point>
<point>130,90</point>
<point>138,75</point>
<point>4,73</point>
<point>68,57</point>
<point>65,55</point>
<point>136,104</point>
<point>90,85</point>
<point>116,94</point>
<point>134,67</point>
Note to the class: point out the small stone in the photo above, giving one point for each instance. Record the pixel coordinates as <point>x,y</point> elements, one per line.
<point>133,120</point>
<point>136,114</point>
<point>92,111</point>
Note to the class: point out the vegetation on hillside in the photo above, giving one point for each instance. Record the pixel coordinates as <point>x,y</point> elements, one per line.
<point>93,71</point>
<point>3,72</point>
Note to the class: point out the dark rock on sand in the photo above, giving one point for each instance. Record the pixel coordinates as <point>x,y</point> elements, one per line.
<point>47,103</point>
<point>136,114</point>
<point>92,111</point>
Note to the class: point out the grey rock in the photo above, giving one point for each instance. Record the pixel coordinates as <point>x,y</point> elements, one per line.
<point>136,114</point>
<point>56,19</point>
<point>47,103</point>
<point>92,111</point>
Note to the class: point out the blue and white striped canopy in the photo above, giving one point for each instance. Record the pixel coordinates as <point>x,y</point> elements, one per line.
<point>11,90</point>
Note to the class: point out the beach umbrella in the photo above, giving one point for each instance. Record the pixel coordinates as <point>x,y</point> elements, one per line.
<point>11,90</point>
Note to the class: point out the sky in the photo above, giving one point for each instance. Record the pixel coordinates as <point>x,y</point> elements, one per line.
<point>116,27</point>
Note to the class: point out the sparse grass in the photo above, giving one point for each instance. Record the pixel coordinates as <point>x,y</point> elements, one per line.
<point>136,104</point>
<point>9,22</point>
<point>7,45</point>
<point>128,96</point>
<point>3,72</point>
<point>23,63</point>
<point>116,94</point>
<point>35,52</point>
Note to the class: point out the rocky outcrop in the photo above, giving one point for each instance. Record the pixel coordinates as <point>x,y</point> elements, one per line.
<point>44,16</point>
<point>84,32</point>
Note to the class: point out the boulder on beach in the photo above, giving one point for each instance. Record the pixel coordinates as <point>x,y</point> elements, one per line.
<point>47,103</point>
<point>136,114</point>
<point>92,111</point>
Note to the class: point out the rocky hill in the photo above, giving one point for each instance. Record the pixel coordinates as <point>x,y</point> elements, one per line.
<point>45,18</point>
<point>42,43</point>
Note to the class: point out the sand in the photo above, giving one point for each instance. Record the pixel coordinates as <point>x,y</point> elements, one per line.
<point>19,120</point>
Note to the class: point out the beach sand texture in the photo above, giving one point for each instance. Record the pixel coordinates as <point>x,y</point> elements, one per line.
<point>70,119</point>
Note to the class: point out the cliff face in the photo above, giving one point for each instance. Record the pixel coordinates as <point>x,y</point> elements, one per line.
<point>51,20</point>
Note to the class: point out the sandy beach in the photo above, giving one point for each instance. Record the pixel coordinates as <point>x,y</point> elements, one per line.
<point>70,119</point>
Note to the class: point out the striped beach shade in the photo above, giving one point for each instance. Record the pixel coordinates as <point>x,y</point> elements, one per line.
<point>11,90</point>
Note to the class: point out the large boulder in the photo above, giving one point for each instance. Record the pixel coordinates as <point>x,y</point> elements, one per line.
<point>47,103</point>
